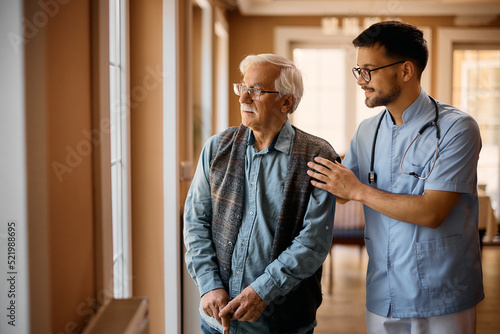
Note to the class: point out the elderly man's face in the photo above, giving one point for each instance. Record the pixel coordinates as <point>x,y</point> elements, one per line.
<point>265,114</point>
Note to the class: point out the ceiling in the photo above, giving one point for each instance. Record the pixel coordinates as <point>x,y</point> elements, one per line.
<point>391,8</point>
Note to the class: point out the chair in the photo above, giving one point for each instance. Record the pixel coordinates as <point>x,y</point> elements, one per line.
<point>348,229</point>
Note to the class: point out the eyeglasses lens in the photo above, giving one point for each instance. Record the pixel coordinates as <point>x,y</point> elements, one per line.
<point>355,73</point>
<point>253,92</point>
<point>366,75</point>
<point>363,72</point>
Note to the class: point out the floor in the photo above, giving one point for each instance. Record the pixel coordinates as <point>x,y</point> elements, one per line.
<point>343,311</point>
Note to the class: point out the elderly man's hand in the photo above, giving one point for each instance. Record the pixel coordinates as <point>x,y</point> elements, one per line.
<point>247,306</point>
<point>334,178</point>
<point>213,302</point>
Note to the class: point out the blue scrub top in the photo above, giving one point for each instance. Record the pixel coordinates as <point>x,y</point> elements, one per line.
<point>416,271</point>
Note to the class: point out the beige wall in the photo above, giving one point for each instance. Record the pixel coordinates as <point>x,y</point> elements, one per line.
<point>58,113</point>
<point>255,34</point>
<point>70,203</point>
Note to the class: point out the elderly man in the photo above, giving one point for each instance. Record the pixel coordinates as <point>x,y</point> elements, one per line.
<point>256,230</point>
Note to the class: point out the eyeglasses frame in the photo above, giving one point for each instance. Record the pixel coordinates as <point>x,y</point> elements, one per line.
<point>236,90</point>
<point>357,71</point>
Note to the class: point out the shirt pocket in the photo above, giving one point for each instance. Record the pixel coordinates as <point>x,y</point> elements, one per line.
<point>441,266</point>
<point>422,152</point>
<point>272,199</point>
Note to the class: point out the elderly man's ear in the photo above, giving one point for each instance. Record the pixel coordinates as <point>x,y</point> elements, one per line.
<point>287,103</point>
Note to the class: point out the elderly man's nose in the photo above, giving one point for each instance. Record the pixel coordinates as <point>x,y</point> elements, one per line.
<point>244,96</point>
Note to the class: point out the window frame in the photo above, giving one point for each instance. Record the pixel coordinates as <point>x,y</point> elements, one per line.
<point>101,151</point>
<point>121,228</point>
<point>447,38</point>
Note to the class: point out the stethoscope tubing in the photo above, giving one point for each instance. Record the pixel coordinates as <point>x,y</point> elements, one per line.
<point>372,177</point>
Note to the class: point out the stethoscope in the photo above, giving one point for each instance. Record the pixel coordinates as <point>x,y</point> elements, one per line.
<point>372,177</point>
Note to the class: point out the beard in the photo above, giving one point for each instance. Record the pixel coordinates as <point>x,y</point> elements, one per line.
<point>383,100</point>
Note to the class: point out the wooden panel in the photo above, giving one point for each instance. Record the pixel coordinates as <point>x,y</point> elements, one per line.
<point>146,126</point>
<point>121,316</point>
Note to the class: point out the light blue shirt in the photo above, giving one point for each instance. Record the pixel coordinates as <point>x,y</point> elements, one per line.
<point>265,173</point>
<point>416,271</point>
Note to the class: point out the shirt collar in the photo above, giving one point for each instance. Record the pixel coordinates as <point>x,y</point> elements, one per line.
<point>421,106</point>
<point>282,142</point>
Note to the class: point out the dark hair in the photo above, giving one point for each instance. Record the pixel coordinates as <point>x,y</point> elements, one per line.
<point>401,41</point>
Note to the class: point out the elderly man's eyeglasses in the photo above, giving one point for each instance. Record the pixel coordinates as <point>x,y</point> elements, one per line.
<point>253,92</point>
<point>366,73</point>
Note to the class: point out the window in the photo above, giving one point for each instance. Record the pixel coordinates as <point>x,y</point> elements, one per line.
<point>330,93</point>
<point>119,148</point>
<point>322,108</point>
<point>476,90</point>
<point>333,104</point>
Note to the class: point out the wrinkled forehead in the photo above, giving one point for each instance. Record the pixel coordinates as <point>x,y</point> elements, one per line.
<point>261,75</point>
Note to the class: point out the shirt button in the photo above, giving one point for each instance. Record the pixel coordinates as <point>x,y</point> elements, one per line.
<point>253,183</point>
<point>395,186</point>
<point>251,213</point>
<point>238,272</point>
<point>327,228</point>
<point>238,217</point>
<point>395,159</point>
<point>243,243</point>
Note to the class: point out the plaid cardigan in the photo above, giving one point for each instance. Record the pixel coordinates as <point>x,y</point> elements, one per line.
<point>227,181</point>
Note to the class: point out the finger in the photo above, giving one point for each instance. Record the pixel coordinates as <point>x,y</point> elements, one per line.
<point>248,316</point>
<point>253,317</point>
<point>319,185</point>
<point>228,310</point>
<point>317,167</point>
<point>251,314</point>
<point>325,162</point>
<point>239,313</point>
<point>337,164</point>
<point>208,311</point>
<point>317,176</point>
<point>217,317</point>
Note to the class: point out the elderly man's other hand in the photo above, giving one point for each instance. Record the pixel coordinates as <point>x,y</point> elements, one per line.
<point>213,302</point>
<point>247,306</point>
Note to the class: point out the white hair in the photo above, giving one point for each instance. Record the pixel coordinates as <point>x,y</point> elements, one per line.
<point>289,80</point>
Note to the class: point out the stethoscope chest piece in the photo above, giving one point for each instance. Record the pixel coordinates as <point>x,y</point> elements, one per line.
<point>372,177</point>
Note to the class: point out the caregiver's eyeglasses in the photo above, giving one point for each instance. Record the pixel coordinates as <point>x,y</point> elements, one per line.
<point>366,73</point>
